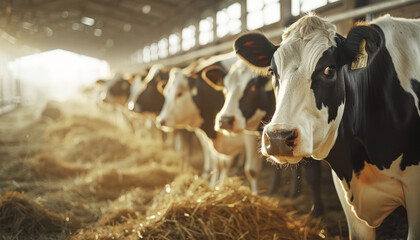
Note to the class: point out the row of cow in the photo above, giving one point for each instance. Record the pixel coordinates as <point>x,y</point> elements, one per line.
<point>353,102</point>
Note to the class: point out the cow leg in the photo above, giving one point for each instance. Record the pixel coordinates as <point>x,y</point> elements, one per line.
<point>313,178</point>
<point>226,163</point>
<point>358,230</point>
<point>206,154</point>
<point>295,181</point>
<point>253,161</point>
<point>275,181</point>
<point>412,200</point>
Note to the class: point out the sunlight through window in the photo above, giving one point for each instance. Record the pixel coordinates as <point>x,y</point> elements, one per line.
<point>163,48</point>
<point>229,20</point>
<point>188,37</point>
<point>260,13</point>
<point>57,75</point>
<point>206,30</point>
<point>301,6</point>
<point>174,42</point>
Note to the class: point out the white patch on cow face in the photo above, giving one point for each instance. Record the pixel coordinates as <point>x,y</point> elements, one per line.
<point>235,83</point>
<point>136,89</point>
<point>296,108</point>
<point>179,109</point>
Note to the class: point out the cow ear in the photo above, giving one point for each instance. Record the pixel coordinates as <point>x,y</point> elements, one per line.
<point>161,86</point>
<point>361,44</point>
<point>213,76</point>
<point>255,49</point>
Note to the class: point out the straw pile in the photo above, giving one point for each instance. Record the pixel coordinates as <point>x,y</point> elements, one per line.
<point>83,177</point>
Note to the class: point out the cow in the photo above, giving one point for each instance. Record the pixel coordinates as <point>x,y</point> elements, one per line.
<point>192,101</point>
<point>116,90</point>
<point>353,102</point>
<point>146,98</point>
<point>250,102</point>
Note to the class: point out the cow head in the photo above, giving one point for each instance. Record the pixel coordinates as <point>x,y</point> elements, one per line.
<point>147,96</point>
<point>308,75</point>
<point>116,90</point>
<point>187,95</point>
<point>243,90</point>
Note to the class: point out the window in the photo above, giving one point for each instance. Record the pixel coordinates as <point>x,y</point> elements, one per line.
<point>206,31</point>
<point>137,57</point>
<point>188,37</point>
<point>262,12</point>
<point>146,54</point>
<point>154,52</point>
<point>229,20</point>
<point>163,48</point>
<point>299,6</point>
<point>174,43</point>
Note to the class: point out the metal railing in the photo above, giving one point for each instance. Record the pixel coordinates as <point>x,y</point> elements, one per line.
<point>276,33</point>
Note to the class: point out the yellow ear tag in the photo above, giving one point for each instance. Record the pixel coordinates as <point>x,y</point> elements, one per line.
<point>361,58</point>
<point>268,86</point>
<point>194,91</point>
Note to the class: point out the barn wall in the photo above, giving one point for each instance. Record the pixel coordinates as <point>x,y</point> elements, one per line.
<point>9,87</point>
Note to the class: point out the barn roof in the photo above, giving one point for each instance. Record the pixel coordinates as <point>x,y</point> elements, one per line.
<point>105,29</point>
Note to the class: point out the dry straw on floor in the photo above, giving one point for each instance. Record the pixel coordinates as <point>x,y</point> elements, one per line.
<point>81,177</point>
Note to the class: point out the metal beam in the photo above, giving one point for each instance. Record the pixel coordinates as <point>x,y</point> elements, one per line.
<point>276,33</point>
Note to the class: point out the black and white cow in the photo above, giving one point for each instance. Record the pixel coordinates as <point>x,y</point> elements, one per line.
<point>115,90</point>
<point>355,103</point>
<point>192,101</point>
<point>147,97</point>
<point>249,103</point>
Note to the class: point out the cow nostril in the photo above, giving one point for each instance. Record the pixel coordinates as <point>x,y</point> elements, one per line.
<point>162,122</point>
<point>226,122</point>
<point>291,139</point>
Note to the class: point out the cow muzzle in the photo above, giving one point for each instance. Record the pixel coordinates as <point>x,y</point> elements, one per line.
<point>279,141</point>
<point>227,122</point>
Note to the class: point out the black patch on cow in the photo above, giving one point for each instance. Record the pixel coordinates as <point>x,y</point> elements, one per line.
<point>255,97</point>
<point>327,90</point>
<point>380,121</point>
<point>120,88</point>
<point>208,101</point>
<point>151,100</point>
<point>415,85</point>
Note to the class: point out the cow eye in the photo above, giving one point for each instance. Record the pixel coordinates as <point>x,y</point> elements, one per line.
<point>270,71</point>
<point>179,94</point>
<point>329,71</point>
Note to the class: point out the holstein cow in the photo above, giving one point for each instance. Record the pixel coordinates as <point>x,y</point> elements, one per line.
<point>355,103</point>
<point>250,102</point>
<point>147,99</point>
<point>192,101</point>
<point>116,90</point>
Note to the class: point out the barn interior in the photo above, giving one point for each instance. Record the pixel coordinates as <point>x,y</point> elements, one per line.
<point>72,170</point>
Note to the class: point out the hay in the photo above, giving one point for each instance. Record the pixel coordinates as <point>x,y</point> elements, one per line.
<point>51,111</point>
<point>189,209</point>
<point>99,148</point>
<point>112,184</point>
<point>22,216</point>
<point>40,167</point>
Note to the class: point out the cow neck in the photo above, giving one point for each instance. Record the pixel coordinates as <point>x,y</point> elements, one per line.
<point>380,121</point>
<point>151,100</point>
<point>208,101</point>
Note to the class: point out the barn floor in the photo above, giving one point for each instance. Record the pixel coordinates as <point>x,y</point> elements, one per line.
<point>71,170</point>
